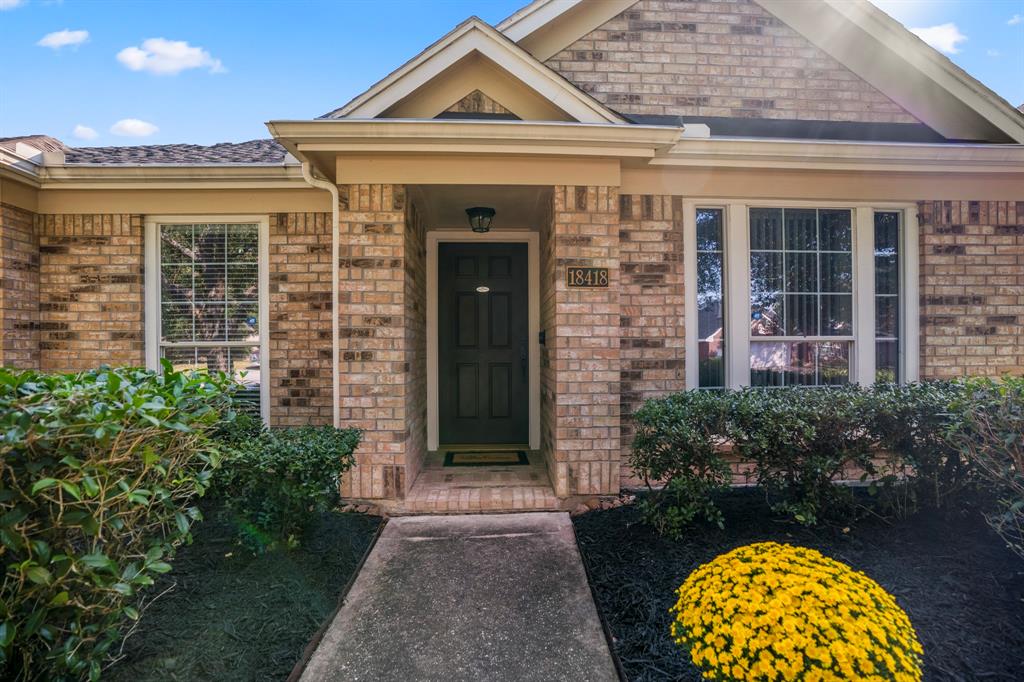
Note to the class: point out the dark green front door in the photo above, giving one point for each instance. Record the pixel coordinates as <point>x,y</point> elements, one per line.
<point>483,361</point>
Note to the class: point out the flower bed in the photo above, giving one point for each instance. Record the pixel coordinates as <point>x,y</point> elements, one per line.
<point>958,583</point>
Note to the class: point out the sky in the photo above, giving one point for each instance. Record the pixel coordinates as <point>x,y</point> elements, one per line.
<point>114,72</point>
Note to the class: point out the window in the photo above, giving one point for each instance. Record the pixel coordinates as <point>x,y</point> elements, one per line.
<point>784,295</point>
<point>208,310</point>
<point>887,296</point>
<point>710,298</point>
<point>801,296</point>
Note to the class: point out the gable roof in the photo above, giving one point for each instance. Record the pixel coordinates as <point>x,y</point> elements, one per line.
<point>43,143</point>
<point>859,35</point>
<point>474,37</point>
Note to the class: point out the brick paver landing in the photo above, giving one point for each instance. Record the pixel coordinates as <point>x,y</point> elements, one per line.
<point>467,490</point>
<point>471,597</point>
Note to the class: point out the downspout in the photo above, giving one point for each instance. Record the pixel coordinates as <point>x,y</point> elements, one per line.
<point>307,175</point>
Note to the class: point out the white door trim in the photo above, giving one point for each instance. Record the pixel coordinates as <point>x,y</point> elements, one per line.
<point>532,240</point>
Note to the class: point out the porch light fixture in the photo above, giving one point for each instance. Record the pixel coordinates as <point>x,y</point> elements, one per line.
<point>480,218</point>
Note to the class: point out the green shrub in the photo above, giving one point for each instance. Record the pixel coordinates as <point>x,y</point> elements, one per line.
<point>912,423</point>
<point>676,444</point>
<point>99,472</point>
<point>989,428</point>
<point>277,480</point>
<point>802,440</point>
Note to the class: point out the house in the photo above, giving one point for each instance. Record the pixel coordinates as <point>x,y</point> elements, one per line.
<point>680,194</point>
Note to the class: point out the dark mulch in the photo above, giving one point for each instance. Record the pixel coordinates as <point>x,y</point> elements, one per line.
<point>230,615</point>
<point>961,587</point>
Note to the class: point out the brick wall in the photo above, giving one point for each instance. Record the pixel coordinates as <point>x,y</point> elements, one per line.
<point>972,288</point>
<point>19,289</point>
<point>717,58</point>
<point>548,380</point>
<point>90,291</point>
<point>651,298</point>
<point>300,319</point>
<point>583,344</point>
<point>415,307</point>
<point>374,372</point>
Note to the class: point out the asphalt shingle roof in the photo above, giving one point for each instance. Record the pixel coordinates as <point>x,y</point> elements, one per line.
<point>253,151</point>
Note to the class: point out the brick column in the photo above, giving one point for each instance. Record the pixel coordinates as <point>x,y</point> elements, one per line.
<point>376,376</point>
<point>19,289</point>
<point>582,376</point>
<point>651,299</point>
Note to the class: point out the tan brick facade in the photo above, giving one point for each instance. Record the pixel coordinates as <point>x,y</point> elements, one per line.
<point>972,288</point>
<point>583,360</point>
<point>300,319</point>
<point>19,288</point>
<point>376,375</point>
<point>652,300</point>
<point>717,58</point>
<point>90,291</point>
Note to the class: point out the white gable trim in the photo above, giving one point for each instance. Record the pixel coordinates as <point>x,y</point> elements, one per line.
<point>904,68</point>
<point>545,27</point>
<point>471,36</point>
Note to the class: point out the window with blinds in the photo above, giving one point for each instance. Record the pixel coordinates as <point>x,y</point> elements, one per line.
<point>209,300</point>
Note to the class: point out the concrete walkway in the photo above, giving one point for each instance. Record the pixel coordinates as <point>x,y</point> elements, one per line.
<point>482,597</point>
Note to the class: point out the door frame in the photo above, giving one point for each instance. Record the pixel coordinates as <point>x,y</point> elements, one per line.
<point>532,241</point>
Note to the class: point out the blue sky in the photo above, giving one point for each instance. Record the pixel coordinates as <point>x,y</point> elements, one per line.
<point>102,72</point>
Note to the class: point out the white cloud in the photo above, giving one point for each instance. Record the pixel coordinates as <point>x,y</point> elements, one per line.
<point>10,4</point>
<point>944,37</point>
<point>168,57</point>
<point>59,39</point>
<point>1015,19</point>
<point>133,127</point>
<point>85,132</point>
<point>993,53</point>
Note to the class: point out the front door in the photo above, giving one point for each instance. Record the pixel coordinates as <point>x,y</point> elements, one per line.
<point>483,362</point>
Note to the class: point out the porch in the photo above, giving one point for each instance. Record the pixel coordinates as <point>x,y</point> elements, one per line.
<point>421,381</point>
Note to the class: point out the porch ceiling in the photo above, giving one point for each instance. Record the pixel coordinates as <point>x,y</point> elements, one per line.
<point>517,207</point>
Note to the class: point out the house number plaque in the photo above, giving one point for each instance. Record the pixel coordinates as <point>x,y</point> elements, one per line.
<point>586,278</point>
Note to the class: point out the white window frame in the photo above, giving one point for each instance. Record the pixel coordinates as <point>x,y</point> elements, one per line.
<point>736,233</point>
<point>152,288</point>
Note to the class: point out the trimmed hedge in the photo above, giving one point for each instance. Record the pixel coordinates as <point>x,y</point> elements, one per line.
<point>99,473</point>
<point>936,441</point>
<point>276,481</point>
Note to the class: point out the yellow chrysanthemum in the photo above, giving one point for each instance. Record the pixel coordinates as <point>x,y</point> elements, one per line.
<point>775,612</point>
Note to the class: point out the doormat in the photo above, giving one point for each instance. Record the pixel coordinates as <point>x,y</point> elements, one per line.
<point>481,458</point>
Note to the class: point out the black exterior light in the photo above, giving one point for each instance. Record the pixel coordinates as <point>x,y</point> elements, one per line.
<point>480,218</point>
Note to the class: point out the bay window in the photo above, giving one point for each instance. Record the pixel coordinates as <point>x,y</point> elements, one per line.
<point>206,299</point>
<point>791,294</point>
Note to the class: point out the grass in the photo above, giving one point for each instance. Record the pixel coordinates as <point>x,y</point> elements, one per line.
<point>224,614</point>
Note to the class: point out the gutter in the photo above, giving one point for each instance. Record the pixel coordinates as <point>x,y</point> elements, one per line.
<point>307,175</point>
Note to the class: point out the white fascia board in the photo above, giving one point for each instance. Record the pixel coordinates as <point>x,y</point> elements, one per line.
<point>534,16</point>
<point>321,134</point>
<point>829,155</point>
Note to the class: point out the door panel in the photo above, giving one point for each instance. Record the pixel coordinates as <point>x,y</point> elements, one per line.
<point>483,386</point>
